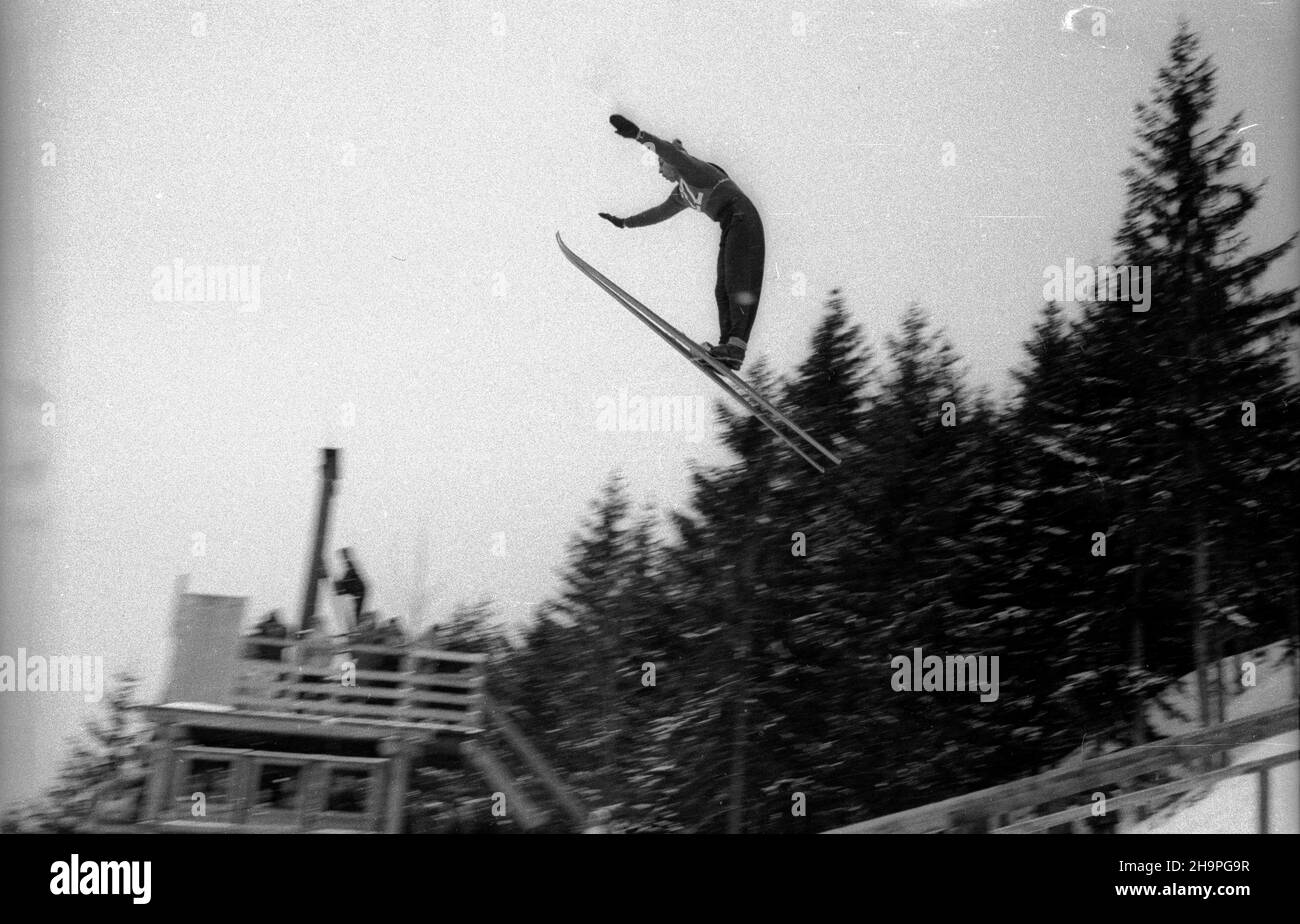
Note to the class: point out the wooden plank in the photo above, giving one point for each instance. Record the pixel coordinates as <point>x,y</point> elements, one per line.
<point>294,758</point>
<point>1102,772</point>
<point>399,780</point>
<point>463,700</point>
<point>417,654</point>
<point>339,697</point>
<point>1263,800</point>
<point>528,815</point>
<point>276,719</point>
<point>327,709</point>
<point>439,654</point>
<point>456,702</point>
<point>576,811</point>
<point>329,692</point>
<point>416,681</point>
<point>330,677</point>
<point>343,644</point>
<point>161,772</point>
<point>1146,796</point>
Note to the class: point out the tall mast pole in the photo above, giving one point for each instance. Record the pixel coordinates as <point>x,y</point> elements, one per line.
<point>315,562</point>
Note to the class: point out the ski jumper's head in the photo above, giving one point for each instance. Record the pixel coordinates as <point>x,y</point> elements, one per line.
<point>667,170</point>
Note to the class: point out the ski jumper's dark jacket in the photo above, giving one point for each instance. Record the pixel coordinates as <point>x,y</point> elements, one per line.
<point>706,188</point>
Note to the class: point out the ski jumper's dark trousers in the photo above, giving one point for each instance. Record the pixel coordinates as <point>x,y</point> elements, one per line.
<point>740,269</point>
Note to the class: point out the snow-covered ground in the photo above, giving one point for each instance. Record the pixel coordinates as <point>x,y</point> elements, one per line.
<point>1231,806</point>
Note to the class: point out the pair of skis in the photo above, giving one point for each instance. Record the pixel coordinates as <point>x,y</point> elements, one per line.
<point>745,394</point>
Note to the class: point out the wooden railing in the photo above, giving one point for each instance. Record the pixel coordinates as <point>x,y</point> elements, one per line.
<point>1117,776</point>
<point>341,678</point>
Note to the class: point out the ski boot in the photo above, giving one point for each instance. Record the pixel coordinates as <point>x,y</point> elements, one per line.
<point>728,354</point>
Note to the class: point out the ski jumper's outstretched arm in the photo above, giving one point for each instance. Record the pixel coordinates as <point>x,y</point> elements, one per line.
<point>697,172</point>
<point>694,171</point>
<point>664,210</point>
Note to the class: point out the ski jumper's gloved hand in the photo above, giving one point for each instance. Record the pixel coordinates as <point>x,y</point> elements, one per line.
<point>616,222</point>
<point>626,128</point>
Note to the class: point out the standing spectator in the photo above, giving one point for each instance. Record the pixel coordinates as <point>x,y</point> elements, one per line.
<point>352,584</point>
<point>270,628</point>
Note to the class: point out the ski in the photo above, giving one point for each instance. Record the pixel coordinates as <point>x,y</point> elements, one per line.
<point>699,359</point>
<point>732,384</point>
<point>772,409</point>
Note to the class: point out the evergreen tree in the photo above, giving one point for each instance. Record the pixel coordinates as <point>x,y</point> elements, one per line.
<point>1169,382</point>
<point>105,770</point>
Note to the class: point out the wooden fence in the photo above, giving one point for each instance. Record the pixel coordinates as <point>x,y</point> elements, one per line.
<point>405,684</point>
<point>1064,797</point>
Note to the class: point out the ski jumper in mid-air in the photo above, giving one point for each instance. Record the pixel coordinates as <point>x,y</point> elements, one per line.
<point>706,188</point>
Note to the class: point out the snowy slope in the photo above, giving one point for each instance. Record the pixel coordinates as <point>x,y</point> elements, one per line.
<point>1230,806</point>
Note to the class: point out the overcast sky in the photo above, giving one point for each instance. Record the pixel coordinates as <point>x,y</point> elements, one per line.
<point>395,173</point>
